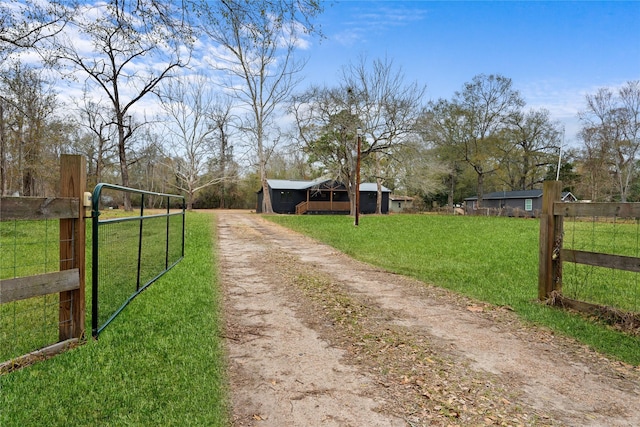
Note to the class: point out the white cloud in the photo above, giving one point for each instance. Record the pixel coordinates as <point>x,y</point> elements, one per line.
<point>376,18</point>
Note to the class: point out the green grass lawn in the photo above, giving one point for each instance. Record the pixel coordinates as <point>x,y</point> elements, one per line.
<point>491,259</point>
<point>160,363</point>
<point>118,256</point>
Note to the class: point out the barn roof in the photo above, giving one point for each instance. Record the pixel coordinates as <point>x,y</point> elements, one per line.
<point>285,184</point>
<point>522,194</point>
<point>372,186</point>
<point>395,197</point>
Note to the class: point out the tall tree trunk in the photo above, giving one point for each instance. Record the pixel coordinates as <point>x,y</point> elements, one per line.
<point>27,183</point>
<point>223,165</point>
<point>3,153</point>
<point>451,190</point>
<point>378,185</point>
<point>351,187</point>
<point>124,167</point>
<point>379,196</point>
<point>267,207</point>
<point>480,188</point>
<point>30,163</point>
<point>190,197</point>
<point>124,172</point>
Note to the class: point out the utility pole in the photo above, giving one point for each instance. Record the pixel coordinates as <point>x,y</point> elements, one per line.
<point>359,138</point>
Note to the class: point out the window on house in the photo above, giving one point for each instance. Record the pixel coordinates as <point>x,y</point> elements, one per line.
<point>528,204</point>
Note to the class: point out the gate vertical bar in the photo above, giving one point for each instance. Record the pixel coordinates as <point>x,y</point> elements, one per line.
<point>166,248</point>
<point>184,207</point>
<point>548,251</point>
<point>72,304</point>
<point>95,225</point>
<point>140,241</point>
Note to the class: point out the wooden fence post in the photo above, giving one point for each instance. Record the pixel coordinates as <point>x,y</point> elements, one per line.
<point>72,247</point>
<point>550,264</point>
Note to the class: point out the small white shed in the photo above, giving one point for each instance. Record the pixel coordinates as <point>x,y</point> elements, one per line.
<point>398,204</point>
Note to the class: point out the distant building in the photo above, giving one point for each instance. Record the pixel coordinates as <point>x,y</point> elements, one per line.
<point>320,196</point>
<point>398,204</point>
<point>511,203</point>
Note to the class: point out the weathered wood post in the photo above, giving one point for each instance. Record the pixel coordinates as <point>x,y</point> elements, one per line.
<point>550,264</point>
<point>72,247</point>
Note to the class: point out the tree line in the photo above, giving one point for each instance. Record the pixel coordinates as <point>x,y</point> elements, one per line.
<point>204,99</point>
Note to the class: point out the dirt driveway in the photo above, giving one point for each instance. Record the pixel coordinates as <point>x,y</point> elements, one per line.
<point>315,338</point>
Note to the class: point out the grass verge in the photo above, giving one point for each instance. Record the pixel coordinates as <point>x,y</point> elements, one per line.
<point>487,258</point>
<point>160,363</point>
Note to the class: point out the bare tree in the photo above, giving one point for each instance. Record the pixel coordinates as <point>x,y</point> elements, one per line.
<point>136,45</point>
<point>473,125</point>
<point>259,41</point>
<point>327,130</point>
<point>98,143</point>
<point>223,167</point>
<point>27,103</point>
<point>597,183</point>
<point>387,106</point>
<point>534,143</point>
<point>153,170</point>
<point>190,106</point>
<point>418,170</point>
<point>611,131</point>
<point>373,97</point>
<point>23,25</point>
<point>440,128</point>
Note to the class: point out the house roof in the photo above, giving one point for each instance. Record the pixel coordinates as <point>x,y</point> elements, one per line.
<point>522,194</point>
<point>372,186</point>
<point>395,197</point>
<point>285,184</point>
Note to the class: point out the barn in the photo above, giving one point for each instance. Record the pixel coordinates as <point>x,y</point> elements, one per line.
<point>321,196</point>
<point>511,203</point>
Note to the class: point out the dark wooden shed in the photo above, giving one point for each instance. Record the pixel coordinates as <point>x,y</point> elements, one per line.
<point>320,197</point>
<point>511,203</point>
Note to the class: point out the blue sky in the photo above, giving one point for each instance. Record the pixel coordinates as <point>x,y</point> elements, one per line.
<point>555,52</point>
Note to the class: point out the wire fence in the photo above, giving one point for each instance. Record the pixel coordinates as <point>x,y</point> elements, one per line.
<point>589,258</point>
<point>42,268</point>
<point>617,235</point>
<point>29,248</point>
<point>131,249</point>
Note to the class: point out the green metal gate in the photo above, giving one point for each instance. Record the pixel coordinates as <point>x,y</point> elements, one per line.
<point>130,251</point>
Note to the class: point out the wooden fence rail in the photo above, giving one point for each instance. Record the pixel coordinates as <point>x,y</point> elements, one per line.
<point>21,288</point>
<point>69,282</point>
